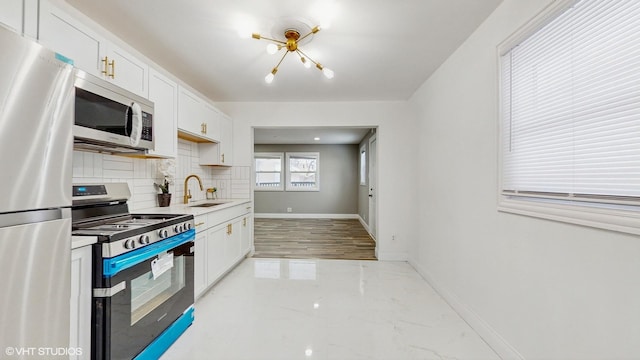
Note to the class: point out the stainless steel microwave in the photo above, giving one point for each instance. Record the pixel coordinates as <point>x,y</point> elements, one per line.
<point>109,118</point>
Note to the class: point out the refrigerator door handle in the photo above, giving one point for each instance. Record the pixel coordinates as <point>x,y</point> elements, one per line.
<point>32,217</point>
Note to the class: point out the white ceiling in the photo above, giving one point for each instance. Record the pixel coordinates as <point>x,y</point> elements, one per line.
<point>307,135</point>
<point>379,49</point>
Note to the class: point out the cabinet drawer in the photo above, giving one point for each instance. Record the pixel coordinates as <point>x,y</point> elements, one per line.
<point>201,223</point>
<point>220,216</point>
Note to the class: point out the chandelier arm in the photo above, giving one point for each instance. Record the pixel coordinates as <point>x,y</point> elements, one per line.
<point>282,59</point>
<point>313,31</point>
<point>273,40</point>
<point>306,56</point>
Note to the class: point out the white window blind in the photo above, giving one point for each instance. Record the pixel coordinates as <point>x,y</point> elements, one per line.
<point>269,171</point>
<point>570,103</point>
<point>303,171</point>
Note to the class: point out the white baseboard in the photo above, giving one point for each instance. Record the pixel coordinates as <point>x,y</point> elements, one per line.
<point>477,323</point>
<point>391,255</point>
<point>304,216</point>
<point>366,227</point>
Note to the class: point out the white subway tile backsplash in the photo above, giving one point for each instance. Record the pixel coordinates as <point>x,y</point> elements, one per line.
<point>141,174</point>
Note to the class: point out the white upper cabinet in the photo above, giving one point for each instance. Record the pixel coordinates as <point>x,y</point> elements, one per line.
<point>226,141</point>
<point>126,71</point>
<point>63,34</point>
<point>197,120</point>
<point>164,94</point>
<point>220,153</point>
<point>90,51</point>
<point>11,14</point>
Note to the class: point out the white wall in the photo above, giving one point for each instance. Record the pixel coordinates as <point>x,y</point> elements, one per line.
<point>550,290</point>
<point>397,147</point>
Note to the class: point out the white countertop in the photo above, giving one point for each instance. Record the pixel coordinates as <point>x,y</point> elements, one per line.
<point>195,211</point>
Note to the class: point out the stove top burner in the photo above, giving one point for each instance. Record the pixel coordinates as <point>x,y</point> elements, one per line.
<point>126,225</point>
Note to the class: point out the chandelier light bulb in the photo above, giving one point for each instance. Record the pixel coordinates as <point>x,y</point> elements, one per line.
<point>269,78</point>
<point>307,64</point>
<point>272,49</point>
<point>328,73</point>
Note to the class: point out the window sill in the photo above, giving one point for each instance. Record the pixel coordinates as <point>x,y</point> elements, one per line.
<point>303,190</point>
<point>608,218</point>
<point>264,189</point>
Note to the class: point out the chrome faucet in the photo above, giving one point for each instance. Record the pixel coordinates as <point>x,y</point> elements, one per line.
<point>187,193</point>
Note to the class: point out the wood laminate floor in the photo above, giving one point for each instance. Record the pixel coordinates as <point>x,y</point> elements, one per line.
<point>312,239</point>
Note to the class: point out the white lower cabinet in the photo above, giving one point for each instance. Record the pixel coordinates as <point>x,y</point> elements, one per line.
<point>200,259</point>
<point>246,234</point>
<point>80,304</point>
<point>223,238</point>
<point>216,260</point>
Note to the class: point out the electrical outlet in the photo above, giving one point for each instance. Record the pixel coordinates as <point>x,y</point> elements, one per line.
<point>289,210</point>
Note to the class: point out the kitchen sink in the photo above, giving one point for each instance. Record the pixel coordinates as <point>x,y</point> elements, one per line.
<point>205,205</point>
<point>209,204</point>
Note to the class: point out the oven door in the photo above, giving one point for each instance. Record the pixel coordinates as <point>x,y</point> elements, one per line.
<point>143,293</point>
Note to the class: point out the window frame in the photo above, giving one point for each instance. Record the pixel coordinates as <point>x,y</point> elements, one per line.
<point>363,165</point>
<point>259,155</point>
<point>288,186</point>
<point>610,216</point>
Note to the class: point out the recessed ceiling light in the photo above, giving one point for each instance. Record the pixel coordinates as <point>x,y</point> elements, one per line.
<point>316,138</point>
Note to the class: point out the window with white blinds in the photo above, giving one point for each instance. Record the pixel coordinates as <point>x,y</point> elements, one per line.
<point>269,169</point>
<point>570,107</point>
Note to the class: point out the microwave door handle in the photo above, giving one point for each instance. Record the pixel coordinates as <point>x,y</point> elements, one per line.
<point>135,116</point>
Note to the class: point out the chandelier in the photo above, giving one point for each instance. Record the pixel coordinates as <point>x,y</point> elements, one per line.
<point>293,39</point>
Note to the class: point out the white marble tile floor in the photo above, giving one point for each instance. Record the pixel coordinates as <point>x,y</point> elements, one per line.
<point>326,309</point>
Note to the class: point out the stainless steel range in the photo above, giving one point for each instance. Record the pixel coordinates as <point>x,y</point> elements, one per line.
<point>142,273</point>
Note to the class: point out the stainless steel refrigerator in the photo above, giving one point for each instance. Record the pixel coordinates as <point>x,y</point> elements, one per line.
<point>36,145</point>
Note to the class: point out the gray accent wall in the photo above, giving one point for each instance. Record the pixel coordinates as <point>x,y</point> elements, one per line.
<point>339,183</point>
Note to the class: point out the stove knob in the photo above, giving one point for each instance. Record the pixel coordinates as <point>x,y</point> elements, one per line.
<point>163,233</point>
<point>187,226</point>
<point>144,239</point>
<point>177,229</point>
<point>129,244</point>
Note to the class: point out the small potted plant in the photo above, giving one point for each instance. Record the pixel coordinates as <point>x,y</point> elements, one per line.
<point>166,168</point>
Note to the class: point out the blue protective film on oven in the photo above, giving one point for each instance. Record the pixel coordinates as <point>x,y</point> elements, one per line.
<point>167,338</point>
<point>112,266</point>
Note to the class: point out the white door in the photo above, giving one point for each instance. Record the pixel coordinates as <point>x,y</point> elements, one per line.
<point>373,155</point>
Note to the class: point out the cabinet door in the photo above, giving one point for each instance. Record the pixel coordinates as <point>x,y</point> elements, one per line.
<point>219,153</point>
<point>61,33</point>
<point>216,259</point>
<point>247,234</point>
<point>200,268</point>
<point>164,94</point>
<point>212,122</point>
<point>190,114</point>
<point>80,305</point>
<point>11,14</point>
<point>233,242</point>
<point>126,71</point>
<point>226,141</point>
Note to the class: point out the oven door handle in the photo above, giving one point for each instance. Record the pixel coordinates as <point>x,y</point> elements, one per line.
<point>112,266</point>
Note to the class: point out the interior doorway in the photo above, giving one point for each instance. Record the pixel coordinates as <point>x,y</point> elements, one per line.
<point>276,201</point>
